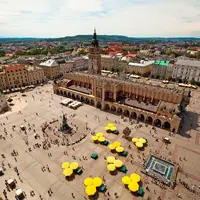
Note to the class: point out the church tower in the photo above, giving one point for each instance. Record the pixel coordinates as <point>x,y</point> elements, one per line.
<point>95,56</point>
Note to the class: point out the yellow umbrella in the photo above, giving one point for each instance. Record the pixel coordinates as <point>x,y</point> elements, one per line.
<point>135,177</point>
<point>94,138</point>
<point>88,181</point>
<point>97,181</point>
<point>134,139</point>
<point>126,180</point>
<point>111,146</point>
<point>110,125</point>
<point>113,128</point>
<point>142,140</point>
<point>65,165</point>
<point>68,172</point>
<point>111,167</point>
<point>102,139</point>
<point>118,163</point>
<point>119,149</point>
<point>139,144</point>
<point>99,135</point>
<point>90,190</point>
<point>117,144</point>
<point>74,165</point>
<point>107,128</point>
<point>110,159</point>
<point>133,186</point>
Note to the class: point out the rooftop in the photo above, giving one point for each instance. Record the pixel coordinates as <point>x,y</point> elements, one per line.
<point>193,63</point>
<point>162,63</point>
<point>141,64</point>
<point>14,67</point>
<point>170,87</point>
<point>49,63</point>
<point>31,68</point>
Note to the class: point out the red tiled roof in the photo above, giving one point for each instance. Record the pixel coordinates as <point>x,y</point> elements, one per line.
<point>9,54</point>
<point>15,67</point>
<point>131,55</point>
<point>112,53</point>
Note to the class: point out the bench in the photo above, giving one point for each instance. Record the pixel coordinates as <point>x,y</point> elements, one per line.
<point>106,143</point>
<point>141,192</point>
<point>124,153</point>
<point>123,169</point>
<point>79,171</point>
<point>102,188</point>
<point>94,156</point>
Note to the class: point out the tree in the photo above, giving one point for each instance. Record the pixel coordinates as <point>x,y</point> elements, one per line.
<point>82,51</point>
<point>127,131</point>
<point>193,82</point>
<point>152,76</point>
<point>157,76</point>
<point>112,69</point>
<point>2,53</point>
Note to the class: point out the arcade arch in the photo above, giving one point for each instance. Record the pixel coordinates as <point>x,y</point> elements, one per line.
<point>158,123</point>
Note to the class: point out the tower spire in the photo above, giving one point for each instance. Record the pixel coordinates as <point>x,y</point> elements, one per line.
<point>95,42</point>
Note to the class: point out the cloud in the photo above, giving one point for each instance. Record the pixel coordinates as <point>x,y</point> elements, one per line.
<point>50,18</point>
<point>85,6</point>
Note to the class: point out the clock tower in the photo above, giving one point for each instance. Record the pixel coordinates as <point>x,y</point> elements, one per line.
<point>95,56</point>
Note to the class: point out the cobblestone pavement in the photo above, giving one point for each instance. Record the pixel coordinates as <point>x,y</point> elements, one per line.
<point>41,105</point>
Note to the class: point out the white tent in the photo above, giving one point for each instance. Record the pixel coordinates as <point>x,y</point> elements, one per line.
<point>19,192</point>
<point>10,181</point>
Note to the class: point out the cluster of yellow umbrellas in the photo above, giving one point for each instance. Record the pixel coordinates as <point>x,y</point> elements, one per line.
<point>91,185</point>
<point>132,182</point>
<point>110,127</point>
<point>69,168</point>
<point>113,163</point>
<point>139,142</point>
<point>99,137</point>
<point>116,146</point>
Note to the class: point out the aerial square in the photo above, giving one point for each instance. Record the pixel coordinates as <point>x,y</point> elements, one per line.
<point>99,117</point>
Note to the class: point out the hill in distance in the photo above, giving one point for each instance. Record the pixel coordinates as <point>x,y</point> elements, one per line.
<point>103,38</point>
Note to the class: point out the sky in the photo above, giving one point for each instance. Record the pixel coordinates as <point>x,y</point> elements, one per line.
<point>135,18</point>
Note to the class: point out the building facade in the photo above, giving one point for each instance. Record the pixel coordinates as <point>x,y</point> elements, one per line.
<point>186,70</point>
<point>3,80</point>
<point>18,76</point>
<point>51,69</point>
<point>159,68</point>
<point>147,103</point>
<point>80,63</point>
<point>35,75</point>
<point>143,68</point>
<point>3,103</point>
<point>67,67</point>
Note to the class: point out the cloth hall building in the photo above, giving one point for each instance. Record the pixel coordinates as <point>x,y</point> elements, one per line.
<point>147,103</point>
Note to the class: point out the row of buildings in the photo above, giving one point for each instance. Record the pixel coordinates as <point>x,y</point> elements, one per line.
<point>20,75</point>
<point>54,68</point>
<point>181,68</point>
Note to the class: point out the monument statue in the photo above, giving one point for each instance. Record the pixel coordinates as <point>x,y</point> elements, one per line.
<point>65,127</point>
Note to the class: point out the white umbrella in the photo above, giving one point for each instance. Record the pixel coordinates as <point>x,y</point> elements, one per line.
<point>19,192</point>
<point>10,181</point>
